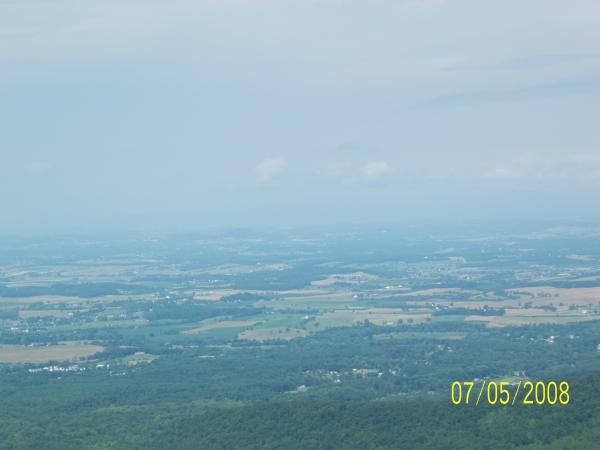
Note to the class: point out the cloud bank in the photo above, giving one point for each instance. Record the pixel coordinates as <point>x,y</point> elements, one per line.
<point>269,168</point>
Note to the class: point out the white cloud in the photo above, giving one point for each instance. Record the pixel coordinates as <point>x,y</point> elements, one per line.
<point>268,168</point>
<point>376,170</point>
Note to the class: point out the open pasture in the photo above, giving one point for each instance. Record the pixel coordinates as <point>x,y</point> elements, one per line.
<point>221,325</point>
<point>506,321</point>
<point>377,316</point>
<point>265,334</point>
<point>65,351</point>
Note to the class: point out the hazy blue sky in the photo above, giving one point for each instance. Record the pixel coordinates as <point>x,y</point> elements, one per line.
<point>122,112</point>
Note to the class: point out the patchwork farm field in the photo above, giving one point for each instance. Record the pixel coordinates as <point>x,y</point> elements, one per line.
<point>284,298</point>
<point>187,326</point>
<point>64,351</point>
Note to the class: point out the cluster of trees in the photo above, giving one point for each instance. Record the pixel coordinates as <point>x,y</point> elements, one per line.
<point>78,421</point>
<point>395,424</point>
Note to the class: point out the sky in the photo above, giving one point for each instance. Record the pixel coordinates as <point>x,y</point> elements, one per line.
<point>183,114</point>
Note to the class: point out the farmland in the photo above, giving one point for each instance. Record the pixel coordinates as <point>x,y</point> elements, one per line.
<point>193,325</point>
<point>31,354</point>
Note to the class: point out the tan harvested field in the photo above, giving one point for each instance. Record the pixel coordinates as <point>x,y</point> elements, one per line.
<point>505,321</point>
<point>66,351</point>
<point>378,316</point>
<point>30,313</point>
<point>439,291</point>
<point>331,281</point>
<point>345,278</point>
<point>536,297</point>
<point>221,325</point>
<point>265,334</point>
<point>387,290</point>
<point>540,296</point>
<point>218,294</point>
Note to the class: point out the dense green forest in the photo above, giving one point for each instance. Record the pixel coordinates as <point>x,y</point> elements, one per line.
<point>310,424</point>
<point>243,398</point>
